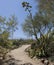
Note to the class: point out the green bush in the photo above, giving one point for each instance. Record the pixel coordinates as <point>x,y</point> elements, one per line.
<point>16,42</point>
<point>44,47</point>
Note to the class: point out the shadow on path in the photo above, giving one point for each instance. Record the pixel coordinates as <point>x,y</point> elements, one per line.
<point>11,61</point>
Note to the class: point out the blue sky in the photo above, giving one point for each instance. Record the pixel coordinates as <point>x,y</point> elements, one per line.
<point>10,7</point>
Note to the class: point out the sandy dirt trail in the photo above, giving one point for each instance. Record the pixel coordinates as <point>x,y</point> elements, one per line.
<point>20,54</point>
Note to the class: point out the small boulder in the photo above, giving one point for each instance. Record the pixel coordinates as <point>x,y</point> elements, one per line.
<point>46,62</point>
<point>42,60</point>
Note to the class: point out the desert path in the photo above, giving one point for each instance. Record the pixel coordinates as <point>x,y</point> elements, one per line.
<point>21,55</point>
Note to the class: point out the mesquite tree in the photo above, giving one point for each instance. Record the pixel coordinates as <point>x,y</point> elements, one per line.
<point>40,25</point>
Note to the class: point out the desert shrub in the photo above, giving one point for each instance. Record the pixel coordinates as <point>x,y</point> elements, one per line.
<point>3,54</point>
<point>5,43</point>
<point>20,42</point>
<point>50,49</point>
<point>33,45</point>
<point>44,47</point>
<point>15,42</point>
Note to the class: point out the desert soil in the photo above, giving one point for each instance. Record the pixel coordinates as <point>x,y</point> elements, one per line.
<point>22,57</point>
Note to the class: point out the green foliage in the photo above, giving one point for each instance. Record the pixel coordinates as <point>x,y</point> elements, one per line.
<point>46,7</point>
<point>5,30</point>
<point>46,48</point>
<point>27,6</point>
<point>16,43</point>
<point>41,24</point>
<point>28,26</point>
<point>12,24</point>
<point>22,42</point>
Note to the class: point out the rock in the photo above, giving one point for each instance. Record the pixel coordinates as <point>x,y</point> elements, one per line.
<point>46,62</point>
<point>42,60</point>
<point>34,57</point>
